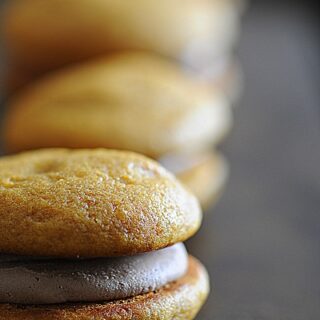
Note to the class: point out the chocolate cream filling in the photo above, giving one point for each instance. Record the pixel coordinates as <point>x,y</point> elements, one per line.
<point>29,280</point>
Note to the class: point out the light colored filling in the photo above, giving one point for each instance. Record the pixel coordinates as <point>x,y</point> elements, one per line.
<point>179,162</point>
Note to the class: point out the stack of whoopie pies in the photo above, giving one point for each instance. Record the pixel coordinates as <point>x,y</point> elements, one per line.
<point>96,234</point>
<point>199,34</point>
<point>131,101</point>
<point>155,77</point>
<point>88,232</point>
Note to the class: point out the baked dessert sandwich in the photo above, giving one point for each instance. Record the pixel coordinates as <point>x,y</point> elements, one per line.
<point>96,234</point>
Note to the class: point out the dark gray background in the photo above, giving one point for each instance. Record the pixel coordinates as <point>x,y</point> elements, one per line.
<point>261,244</point>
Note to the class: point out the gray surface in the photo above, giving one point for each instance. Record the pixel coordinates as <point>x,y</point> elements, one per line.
<point>264,237</point>
<point>261,245</point>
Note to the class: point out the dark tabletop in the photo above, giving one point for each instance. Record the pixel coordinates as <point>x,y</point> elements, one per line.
<point>261,244</point>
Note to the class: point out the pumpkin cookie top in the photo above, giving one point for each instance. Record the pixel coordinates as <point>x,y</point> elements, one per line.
<point>132,101</point>
<point>43,35</point>
<point>91,203</point>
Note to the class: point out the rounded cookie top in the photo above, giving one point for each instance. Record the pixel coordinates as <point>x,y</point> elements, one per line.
<point>132,101</point>
<point>42,35</point>
<point>91,203</point>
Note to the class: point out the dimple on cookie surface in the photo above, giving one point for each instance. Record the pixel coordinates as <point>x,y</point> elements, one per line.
<point>91,203</point>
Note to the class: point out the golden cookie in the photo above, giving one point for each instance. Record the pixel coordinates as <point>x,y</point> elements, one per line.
<point>91,203</point>
<point>179,300</point>
<point>42,35</point>
<point>132,101</point>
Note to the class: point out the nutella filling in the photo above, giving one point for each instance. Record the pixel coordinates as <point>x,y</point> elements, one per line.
<point>31,280</point>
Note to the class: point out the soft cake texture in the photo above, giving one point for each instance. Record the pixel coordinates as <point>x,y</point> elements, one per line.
<point>42,35</point>
<point>91,203</point>
<point>179,300</point>
<point>133,101</point>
